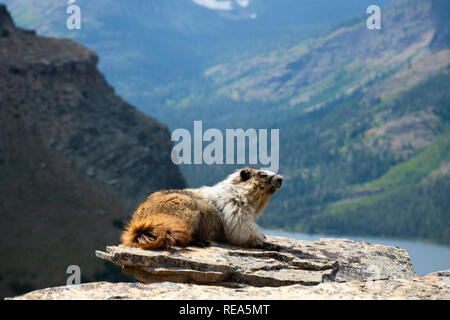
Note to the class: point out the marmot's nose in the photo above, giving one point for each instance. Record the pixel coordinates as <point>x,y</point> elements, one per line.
<point>278,179</point>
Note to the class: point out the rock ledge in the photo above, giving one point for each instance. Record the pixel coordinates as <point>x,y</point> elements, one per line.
<point>294,262</point>
<point>295,269</point>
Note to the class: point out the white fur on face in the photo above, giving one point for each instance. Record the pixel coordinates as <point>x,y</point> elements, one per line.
<point>269,173</point>
<point>233,207</point>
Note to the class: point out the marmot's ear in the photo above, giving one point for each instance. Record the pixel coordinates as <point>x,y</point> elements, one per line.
<point>246,174</point>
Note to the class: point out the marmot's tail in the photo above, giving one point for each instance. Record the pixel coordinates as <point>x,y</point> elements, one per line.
<point>155,232</point>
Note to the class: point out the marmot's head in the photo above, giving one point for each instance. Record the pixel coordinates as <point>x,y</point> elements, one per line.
<point>257,186</point>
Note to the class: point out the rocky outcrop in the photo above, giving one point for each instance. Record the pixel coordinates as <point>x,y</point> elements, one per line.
<point>75,159</point>
<point>293,262</point>
<point>323,269</point>
<point>433,286</point>
<point>54,84</point>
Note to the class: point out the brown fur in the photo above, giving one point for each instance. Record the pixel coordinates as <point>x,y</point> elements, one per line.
<point>160,232</point>
<point>184,214</point>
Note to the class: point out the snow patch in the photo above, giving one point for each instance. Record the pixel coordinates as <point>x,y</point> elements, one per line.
<point>215,4</point>
<point>222,4</point>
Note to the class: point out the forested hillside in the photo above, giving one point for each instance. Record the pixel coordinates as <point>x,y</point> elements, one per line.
<point>363,119</point>
<point>379,168</point>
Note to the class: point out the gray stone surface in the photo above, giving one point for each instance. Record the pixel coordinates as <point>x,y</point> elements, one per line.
<point>322,269</point>
<point>294,262</point>
<point>433,286</point>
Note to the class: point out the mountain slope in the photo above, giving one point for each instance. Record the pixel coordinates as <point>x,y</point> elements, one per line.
<point>147,46</point>
<point>351,106</point>
<point>309,73</point>
<point>383,172</point>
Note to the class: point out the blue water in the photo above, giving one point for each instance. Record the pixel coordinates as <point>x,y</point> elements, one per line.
<point>425,257</point>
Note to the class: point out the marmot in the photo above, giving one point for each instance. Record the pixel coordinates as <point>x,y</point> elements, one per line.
<point>225,212</point>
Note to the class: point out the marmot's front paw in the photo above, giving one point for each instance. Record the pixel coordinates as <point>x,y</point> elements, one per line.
<point>270,247</point>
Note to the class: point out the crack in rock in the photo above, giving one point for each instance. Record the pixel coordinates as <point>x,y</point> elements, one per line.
<point>298,262</point>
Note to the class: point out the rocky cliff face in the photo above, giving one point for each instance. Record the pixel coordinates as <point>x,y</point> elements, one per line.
<point>74,158</point>
<point>55,85</point>
<point>295,269</point>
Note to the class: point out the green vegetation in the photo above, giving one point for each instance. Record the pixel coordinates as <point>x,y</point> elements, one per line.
<point>413,172</point>
<point>419,212</point>
<point>416,168</point>
<point>343,174</point>
<point>349,186</point>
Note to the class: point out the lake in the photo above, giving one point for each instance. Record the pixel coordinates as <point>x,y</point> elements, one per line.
<point>425,257</point>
